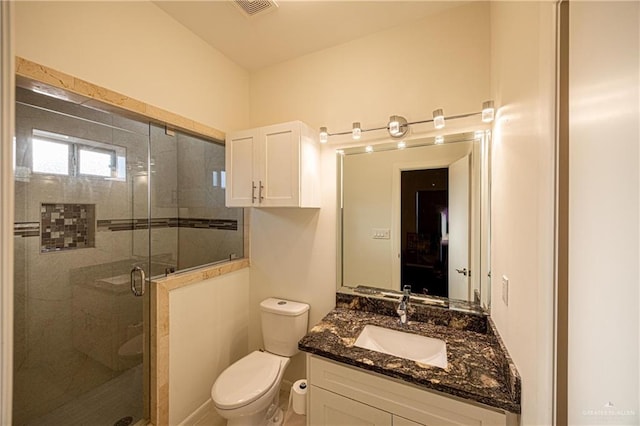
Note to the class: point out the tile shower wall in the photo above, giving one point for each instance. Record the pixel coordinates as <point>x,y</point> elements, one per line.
<point>207,231</point>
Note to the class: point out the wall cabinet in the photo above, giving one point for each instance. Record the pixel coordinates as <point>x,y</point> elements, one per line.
<point>343,395</point>
<point>273,166</point>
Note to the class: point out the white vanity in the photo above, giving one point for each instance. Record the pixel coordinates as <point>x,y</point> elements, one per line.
<point>344,395</point>
<point>469,381</point>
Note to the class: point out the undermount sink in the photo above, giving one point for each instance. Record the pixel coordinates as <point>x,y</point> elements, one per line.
<point>422,349</point>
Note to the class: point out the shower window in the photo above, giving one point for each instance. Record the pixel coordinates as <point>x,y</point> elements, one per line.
<point>50,157</point>
<point>58,154</point>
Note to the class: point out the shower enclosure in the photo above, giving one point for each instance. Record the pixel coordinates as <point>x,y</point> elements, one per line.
<point>103,202</point>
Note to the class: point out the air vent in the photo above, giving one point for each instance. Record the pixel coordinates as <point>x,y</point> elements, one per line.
<point>252,8</point>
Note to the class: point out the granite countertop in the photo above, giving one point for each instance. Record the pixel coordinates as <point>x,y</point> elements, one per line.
<point>479,369</point>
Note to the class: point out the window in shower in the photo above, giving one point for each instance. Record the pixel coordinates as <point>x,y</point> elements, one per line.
<point>58,154</point>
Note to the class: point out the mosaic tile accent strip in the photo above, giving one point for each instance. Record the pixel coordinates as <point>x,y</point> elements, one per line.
<point>134,224</point>
<point>66,226</point>
<point>26,229</point>
<point>223,224</point>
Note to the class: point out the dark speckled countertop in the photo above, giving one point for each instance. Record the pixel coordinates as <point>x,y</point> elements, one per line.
<point>479,369</point>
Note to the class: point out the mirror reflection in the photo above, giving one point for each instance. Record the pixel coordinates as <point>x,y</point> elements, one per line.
<point>417,214</point>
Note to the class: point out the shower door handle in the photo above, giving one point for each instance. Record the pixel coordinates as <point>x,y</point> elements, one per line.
<point>139,271</point>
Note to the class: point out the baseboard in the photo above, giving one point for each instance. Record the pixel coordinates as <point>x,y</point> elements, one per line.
<point>203,412</point>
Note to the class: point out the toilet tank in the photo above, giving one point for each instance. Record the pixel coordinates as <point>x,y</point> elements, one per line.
<point>284,323</point>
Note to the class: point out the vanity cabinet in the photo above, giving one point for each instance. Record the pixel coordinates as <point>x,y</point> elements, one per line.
<point>343,395</point>
<point>273,166</point>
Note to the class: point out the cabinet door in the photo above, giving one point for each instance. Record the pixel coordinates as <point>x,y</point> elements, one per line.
<point>330,409</point>
<point>279,168</point>
<point>239,162</point>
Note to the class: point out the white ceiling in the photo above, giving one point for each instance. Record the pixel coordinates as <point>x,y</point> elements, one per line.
<point>296,28</point>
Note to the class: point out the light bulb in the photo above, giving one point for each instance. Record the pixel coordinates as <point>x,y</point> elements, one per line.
<point>368,149</point>
<point>488,112</point>
<point>402,145</point>
<point>439,140</point>
<point>356,133</point>
<point>324,135</point>
<point>394,125</point>
<point>438,118</point>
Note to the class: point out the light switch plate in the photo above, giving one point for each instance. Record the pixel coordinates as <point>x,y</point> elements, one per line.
<point>505,290</point>
<point>381,233</point>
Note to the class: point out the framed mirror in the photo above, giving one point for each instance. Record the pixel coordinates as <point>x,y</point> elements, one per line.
<point>417,213</point>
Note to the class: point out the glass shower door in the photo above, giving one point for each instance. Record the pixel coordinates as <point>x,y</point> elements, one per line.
<point>82,244</point>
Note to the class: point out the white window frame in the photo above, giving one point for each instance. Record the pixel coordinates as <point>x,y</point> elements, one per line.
<point>117,154</point>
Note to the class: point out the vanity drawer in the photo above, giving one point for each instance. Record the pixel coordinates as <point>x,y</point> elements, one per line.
<point>398,398</point>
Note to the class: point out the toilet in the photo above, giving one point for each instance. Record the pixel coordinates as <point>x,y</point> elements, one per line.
<point>246,393</point>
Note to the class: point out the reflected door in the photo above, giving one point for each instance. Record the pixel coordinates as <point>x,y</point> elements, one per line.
<point>459,274</point>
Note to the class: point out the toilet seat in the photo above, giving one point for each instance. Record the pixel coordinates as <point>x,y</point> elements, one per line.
<point>246,380</point>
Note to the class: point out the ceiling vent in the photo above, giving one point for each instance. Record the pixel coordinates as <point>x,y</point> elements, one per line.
<point>251,8</point>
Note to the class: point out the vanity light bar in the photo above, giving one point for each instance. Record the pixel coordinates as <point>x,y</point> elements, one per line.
<point>398,125</point>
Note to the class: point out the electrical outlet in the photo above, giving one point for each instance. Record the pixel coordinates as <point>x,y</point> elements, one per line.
<point>381,233</point>
<point>505,290</point>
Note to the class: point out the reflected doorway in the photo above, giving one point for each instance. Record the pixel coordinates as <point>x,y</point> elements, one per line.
<point>425,230</point>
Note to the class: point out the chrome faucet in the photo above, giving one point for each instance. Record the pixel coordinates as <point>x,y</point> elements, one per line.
<point>404,304</point>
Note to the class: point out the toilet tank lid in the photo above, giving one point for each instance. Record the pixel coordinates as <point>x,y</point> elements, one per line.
<point>283,307</point>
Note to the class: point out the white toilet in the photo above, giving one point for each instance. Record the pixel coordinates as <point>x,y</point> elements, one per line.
<point>246,393</point>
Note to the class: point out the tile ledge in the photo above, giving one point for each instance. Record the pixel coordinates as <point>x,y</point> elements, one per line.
<point>199,274</point>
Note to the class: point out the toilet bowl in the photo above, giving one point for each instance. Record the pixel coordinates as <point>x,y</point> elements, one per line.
<point>246,393</point>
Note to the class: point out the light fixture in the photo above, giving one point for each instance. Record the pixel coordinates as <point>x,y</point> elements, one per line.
<point>368,149</point>
<point>402,145</point>
<point>356,133</point>
<point>438,118</point>
<point>324,135</point>
<point>397,126</point>
<point>439,140</point>
<point>488,112</point>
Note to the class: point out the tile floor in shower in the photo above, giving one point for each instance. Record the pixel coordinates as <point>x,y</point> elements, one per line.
<point>102,406</point>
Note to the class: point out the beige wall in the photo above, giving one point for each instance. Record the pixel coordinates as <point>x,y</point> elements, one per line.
<point>604,114</point>
<point>522,80</point>
<point>441,61</point>
<point>136,49</point>
<point>208,331</point>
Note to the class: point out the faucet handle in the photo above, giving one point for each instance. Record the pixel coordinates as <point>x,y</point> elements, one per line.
<point>407,289</point>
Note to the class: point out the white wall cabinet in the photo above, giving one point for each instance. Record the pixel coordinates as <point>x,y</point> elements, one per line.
<point>273,166</point>
<point>343,395</point>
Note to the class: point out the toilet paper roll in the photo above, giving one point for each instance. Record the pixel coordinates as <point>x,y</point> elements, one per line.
<point>299,397</point>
